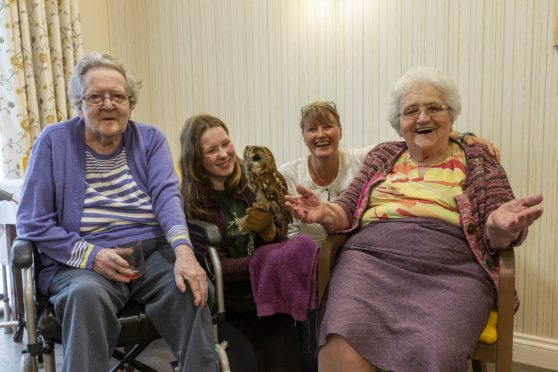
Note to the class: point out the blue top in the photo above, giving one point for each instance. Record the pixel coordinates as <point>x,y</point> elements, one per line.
<point>51,204</point>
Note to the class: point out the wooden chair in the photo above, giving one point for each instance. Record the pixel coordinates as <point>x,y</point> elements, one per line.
<point>500,352</point>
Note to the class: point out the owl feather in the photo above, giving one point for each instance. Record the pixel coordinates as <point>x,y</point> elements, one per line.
<point>266,182</point>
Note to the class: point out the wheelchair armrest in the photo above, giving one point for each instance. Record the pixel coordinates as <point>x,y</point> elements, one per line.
<point>210,233</point>
<point>326,259</point>
<point>206,230</point>
<point>22,253</point>
<point>202,260</point>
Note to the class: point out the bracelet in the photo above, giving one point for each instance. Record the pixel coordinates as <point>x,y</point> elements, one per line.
<point>462,136</point>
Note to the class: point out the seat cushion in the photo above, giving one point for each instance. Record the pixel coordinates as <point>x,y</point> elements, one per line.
<point>136,327</point>
<point>490,335</point>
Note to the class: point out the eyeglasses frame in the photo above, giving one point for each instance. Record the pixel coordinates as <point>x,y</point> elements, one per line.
<point>424,107</point>
<point>109,96</point>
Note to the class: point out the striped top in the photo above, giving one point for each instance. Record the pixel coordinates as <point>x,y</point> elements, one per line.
<point>51,206</point>
<point>405,193</point>
<point>113,201</point>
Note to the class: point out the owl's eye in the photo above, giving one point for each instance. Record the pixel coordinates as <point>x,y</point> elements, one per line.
<point>257,158</point>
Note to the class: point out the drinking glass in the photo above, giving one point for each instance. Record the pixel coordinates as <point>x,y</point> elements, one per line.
<point>133,254</point>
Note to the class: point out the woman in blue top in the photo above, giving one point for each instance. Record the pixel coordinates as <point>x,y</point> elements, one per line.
<point>98,181</point>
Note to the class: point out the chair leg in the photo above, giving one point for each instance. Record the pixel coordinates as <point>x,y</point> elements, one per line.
<point>127,349</point>
<point>129,359</point>
<point>49,363</point>
<point>478,366</point>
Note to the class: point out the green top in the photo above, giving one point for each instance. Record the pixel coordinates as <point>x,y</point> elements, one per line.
<point>238,295</point>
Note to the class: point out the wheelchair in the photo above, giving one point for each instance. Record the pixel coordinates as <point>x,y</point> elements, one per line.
<point>137,331</point>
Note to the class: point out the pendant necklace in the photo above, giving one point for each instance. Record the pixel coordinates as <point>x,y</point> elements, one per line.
<point>327,187</point>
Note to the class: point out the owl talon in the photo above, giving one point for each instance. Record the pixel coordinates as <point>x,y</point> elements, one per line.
<point>242,228</point>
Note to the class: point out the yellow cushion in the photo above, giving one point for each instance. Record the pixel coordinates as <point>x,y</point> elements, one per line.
<point>489,335</point>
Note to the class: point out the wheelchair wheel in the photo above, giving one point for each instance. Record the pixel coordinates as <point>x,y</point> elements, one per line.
<point>28,363</point>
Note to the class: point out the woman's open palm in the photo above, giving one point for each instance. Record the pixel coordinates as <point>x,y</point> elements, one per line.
<point>506,222</point>
<point>307,206</point>
<point>518,214</point>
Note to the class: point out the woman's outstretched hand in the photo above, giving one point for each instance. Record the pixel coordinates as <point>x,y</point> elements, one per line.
<point>506,222</point>
<point>307,206</point>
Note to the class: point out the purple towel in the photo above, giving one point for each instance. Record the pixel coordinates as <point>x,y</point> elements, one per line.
<point>283,277</point>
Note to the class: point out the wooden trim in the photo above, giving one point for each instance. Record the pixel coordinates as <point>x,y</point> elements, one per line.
<point>555,22</point>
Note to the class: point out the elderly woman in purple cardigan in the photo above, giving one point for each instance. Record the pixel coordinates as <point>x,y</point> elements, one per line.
<point>98,181</point>
<point>413,286</point>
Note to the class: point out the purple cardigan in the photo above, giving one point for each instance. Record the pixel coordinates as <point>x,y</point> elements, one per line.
<point>234,269</point>
<point>485,188</point>
<point>52,199</point>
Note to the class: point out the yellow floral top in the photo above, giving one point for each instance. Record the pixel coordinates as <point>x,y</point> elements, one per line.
<point>405,193</point>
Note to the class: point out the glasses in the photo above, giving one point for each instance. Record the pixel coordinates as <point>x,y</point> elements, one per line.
<point>330,104</point>
<point>99,99</point>
<point>432,109</point>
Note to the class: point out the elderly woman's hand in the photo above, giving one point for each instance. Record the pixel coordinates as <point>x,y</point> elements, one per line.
<point>506,222</point>
<point>493,150</point>
<point>111,265</point>
<point>187,268</point>
<point>307,207</point>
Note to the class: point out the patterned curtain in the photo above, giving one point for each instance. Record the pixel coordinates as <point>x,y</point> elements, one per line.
<point>40,42</point>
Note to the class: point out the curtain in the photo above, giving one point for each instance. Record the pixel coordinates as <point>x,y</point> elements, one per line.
<point>40,42</point>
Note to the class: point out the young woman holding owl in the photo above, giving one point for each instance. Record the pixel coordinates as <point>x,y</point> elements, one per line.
<point>215,189</point>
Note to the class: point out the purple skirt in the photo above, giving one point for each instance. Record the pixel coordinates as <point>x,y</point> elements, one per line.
<point>408,295</point>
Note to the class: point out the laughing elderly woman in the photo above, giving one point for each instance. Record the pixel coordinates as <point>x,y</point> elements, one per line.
<point>413,286</point>
<point>97,181</point>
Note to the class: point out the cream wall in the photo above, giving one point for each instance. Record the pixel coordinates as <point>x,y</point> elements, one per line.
<point>94,23</point>
<point>254,63</point>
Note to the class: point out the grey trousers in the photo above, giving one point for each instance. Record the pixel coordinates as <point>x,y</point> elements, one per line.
<point>86,304</point>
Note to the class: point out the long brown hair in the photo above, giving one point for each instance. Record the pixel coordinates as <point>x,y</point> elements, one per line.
<point>195,187</point>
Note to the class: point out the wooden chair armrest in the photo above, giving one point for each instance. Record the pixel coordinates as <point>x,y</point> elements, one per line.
<point>506,298</point>
<point>326,259</point>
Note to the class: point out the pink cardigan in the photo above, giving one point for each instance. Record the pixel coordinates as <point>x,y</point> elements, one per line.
<point>485,188</point>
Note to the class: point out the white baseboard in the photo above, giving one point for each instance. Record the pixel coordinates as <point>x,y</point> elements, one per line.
<point>535,351</point>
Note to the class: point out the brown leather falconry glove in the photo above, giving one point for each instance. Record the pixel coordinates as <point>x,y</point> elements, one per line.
<point>259,219</point>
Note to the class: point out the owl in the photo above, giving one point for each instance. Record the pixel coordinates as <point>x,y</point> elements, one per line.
<point>266,182</point>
